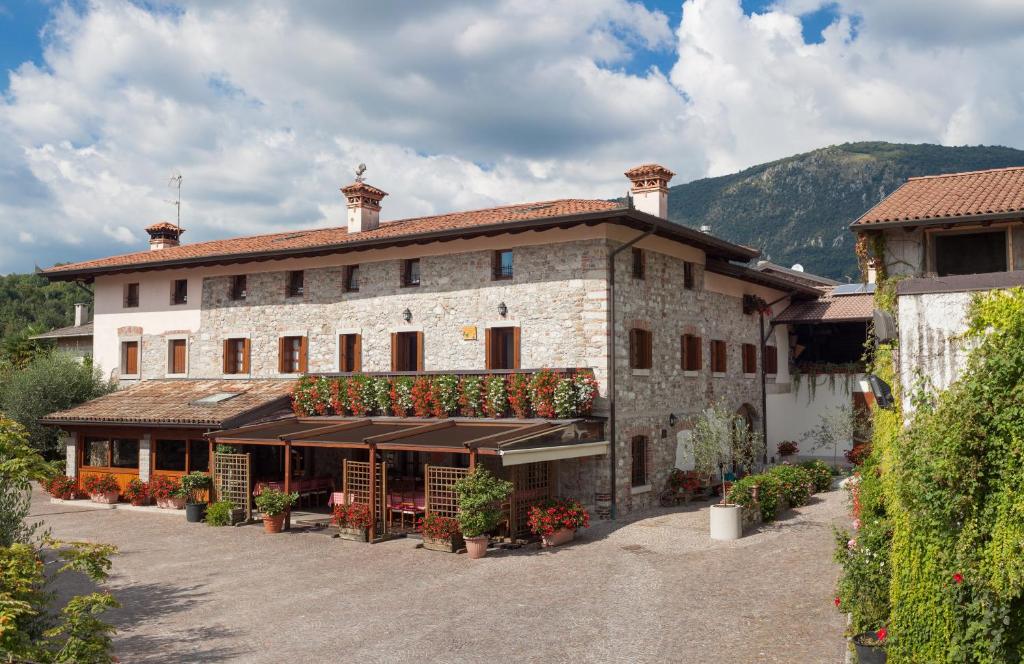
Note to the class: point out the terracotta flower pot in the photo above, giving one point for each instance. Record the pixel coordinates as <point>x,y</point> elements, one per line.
<point>105,498</point>
<point>560,536</point>
<point>273,524</point>
<point>476,547</point>
<point>140,502</point>
<point>446,544</point>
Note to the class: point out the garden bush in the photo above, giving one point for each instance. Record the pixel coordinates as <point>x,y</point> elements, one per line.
<point>821,474</point>
<point>219,513</point>
<point>768,494</point>
<point>795,484</point>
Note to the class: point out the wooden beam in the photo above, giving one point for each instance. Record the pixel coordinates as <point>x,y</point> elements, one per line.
<point>340,426</point>
<point>411,431</point>
<point>373,492</point>
<point>495,438</point>
<point>288,482</point>
<point>472,459</point>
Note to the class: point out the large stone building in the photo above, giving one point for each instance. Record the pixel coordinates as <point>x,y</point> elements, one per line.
<point>517,287</point>
<point>944,238</point>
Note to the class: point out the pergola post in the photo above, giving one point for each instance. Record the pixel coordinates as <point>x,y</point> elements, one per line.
<point>288,482</point>
<point>472,458</point>
<point>373,491</point>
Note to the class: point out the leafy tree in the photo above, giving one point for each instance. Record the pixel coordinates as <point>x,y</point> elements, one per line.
<point>30,300</point>
<point>50,382</point>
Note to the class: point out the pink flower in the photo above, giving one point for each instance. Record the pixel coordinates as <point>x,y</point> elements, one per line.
<point>851,545</point>
<point>958,577</point>
<point>856,524</point>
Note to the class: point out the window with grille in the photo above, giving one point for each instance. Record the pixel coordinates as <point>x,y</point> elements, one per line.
<point>502,264</point>
<point>177,356</point>
<point>238,287</point>
<point>296,283</point>
<point>130,358</point>
<point>749,358</point>
<point>179,291</point>
<point>640,349</point>
<point>771,360</point>
<point>411,272</point>
<point>638,449</point>
<point>349,352</point>
<point>639,263</point>
<point>351,279</point>
<point>292,355</point>
<point>688,279</point>
<point>131,296</point>
<point>236,356</point>
<point>719,359</point>
<point>690,352</point>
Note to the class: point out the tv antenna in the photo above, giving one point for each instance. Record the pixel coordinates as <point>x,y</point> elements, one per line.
<point>360,169</point>
<point>175,181</point>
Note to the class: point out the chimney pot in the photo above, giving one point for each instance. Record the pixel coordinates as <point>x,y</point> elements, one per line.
<point>650,188</point>
<point>363,206</point>
<point>163,235</point>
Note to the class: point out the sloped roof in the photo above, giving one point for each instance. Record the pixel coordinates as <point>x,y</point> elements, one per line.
<point>175,402</point>
<point>68,332</point>
<point>951,196</point>
<point>829,308</point>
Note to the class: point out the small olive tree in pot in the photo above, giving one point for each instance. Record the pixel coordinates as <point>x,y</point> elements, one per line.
<point>480,494</point>
<point>191,485</point>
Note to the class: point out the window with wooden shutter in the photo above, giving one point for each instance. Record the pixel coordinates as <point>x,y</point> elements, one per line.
<point>719,359</point>
<point>130,358</point>
<point>179,291</point>
<point>771,360</point>
<point>749,358</point>
<point>639,263</point>
<point>502,347</point>
<point>296,283</point>
<point>640,349</point>
<point>351,284</point>
<point>236,356</point>
<point>690,352</point>
<point>292,355</point>
<point>349,353</point>
<point>177,356</point>
<point>638,458</point>
<point>411,272</point>
<point>238,287</point>
<point>131,296</point>
<point>688,279</point>
<point>407,351</point>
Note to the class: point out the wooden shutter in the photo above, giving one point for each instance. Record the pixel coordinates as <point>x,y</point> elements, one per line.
<point>226,359</point>
<point>419,351</point>
<point>303,354</point>
<point>489,347</point>
<point>516,336</point>
<point>698,353</point>
<point>771,359</point>
<point>342,352</point>
<point>178,348</point>
<point>721,355</point>
<point>245,356</point>
<point>634,344</point>
<point>394,351</point>
<point>131,357</point>
<point>281,355</point>
<point>357,352</point>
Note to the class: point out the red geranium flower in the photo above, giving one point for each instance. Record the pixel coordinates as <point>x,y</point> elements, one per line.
<point>958,577</point>
<point>881,634</point>
<point>836,602</point>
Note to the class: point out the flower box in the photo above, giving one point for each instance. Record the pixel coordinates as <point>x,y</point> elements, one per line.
<point>104,498</point>
<point>354,534</point>
<point>559,537</point>
<point>447,544</point>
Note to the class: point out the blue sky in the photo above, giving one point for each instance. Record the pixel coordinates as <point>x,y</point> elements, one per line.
<point>456,104</point>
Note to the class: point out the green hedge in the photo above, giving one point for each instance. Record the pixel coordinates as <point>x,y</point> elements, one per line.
<point>791,483</point>
<point>821,474</point>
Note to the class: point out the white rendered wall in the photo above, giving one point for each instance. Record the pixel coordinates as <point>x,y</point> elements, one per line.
<point>928,327</point>
<point>791,415</point>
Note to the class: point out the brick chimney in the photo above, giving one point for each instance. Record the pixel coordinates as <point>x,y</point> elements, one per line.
<point>363,206</point>
<point>163,235</point>
<point>650,188</point>
<point>81,314</point>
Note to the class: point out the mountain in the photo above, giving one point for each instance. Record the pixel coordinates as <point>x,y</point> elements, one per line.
<point>798,209</point>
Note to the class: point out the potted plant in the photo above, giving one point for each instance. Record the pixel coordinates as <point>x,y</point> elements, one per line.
<point>441,533</point>
<point>480,494</point>
<point>870,647</point>
<point>137,492</point>
<point>167,492</point>
<point>787,448</point>
<point>274,505</point>
<point>62,487</point>
<point>556,520</point>
<point>101,488</point>
<point>191,485</point>
<point>220,513</point>
<point>353,521</point>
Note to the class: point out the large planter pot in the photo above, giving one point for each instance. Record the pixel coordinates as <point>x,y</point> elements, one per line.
<point>476,547</point>
<point>194,512</point>
<point>106,498</point>
<point>173,503</point>
<point>558,537</point>
<point>448,544</point>
<point>726,522</point>
<point>273,524</point>
<point>868,652</point>
<point>354,534</point>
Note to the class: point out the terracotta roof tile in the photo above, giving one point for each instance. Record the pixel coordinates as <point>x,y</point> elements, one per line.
<point>995,191</point>
<point>174,402</point>
<point>324,237</point>
<point>829,309</point>
<point>66,332</point>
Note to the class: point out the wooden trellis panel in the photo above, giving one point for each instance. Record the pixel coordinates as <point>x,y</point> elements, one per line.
<point>440,492</point>
<point>356,485</point>
<point>231,480</point>
<point>532,482</point>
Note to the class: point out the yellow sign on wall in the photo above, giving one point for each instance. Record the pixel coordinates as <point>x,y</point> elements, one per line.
<point>469,333</point>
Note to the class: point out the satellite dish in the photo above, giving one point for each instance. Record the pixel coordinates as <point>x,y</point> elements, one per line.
<point>797,267</point>
<point>882,392</point>
<point>360,169</point>
<point>884,324</point>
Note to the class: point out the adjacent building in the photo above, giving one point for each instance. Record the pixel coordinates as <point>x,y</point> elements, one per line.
<point>75,340</point>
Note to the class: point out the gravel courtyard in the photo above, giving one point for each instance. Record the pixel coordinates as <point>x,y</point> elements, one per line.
<point>653,589</point>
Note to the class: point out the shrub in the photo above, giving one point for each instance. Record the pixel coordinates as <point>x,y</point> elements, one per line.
<point>163,487</point>
<point>795,483</point>
<point>137,491</point>
<point>421,397</point>
<point>820,472</point>
<point>542,393</point>
<point>496,399</point>
<point>61,486</point>
<point>273,502</point>
<point>444,395</point>
<point>586,392</point>
<point>858,453</point>
<point>354,515</point>
<point>105,483</point>
<point>219,513</point>
<point>359,395</point>
<point>439,527</point>
<point>787,447</point>
<point>382,395</point>
<point>519,394</point>
<point>471,396</point>
<point>768,494</point>
<point>193,483</point>
<point>480,494</point>
<point>565,398</point>
<point>549,516</point>
<point>401,395</point>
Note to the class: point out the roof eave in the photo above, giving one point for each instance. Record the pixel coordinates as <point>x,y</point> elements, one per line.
<point>860,225</point>
<point>757,277</point>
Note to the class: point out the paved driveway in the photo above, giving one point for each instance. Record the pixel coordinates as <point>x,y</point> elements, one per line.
<point>654,589</point>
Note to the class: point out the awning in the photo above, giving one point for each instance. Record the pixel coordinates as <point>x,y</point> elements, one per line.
<point>515,440</point>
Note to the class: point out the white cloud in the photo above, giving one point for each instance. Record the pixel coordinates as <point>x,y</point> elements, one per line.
<point>265,108</point>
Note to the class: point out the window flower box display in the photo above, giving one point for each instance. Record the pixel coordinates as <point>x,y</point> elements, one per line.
<point>556,520</point>
<point>274,505</point>
<point>102,488</point>
<point>353,521</point>
<point>137,492</point>
<point>62,487</point>
<point>441,533</point>
<point>167,492</point>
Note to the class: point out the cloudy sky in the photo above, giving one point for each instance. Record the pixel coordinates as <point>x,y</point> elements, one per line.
<point>265,109</point>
